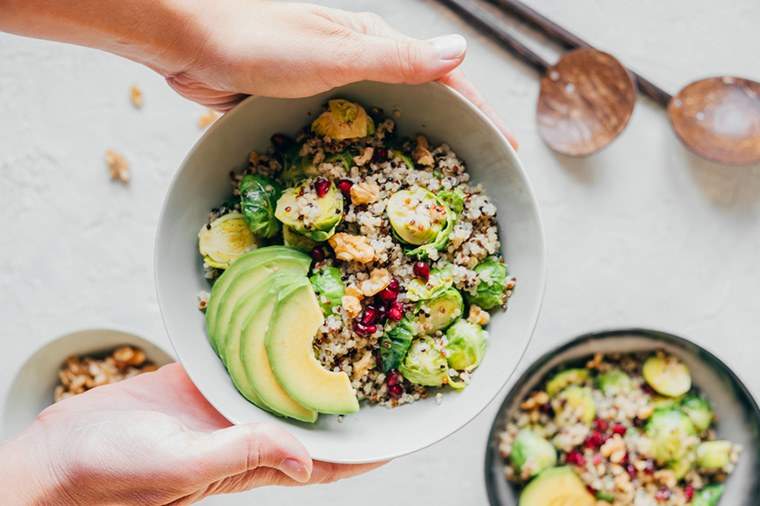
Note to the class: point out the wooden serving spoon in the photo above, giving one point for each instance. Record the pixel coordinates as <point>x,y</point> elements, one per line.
<point>586,98</point>
<point>718,118</point>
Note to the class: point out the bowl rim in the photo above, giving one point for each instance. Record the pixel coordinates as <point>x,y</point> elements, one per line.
<point>540,243</point>
<point>612,333</point>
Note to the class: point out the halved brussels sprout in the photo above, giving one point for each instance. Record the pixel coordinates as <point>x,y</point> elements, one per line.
<point>396,153</point>
<point>440,311</point>
<point>425,364</point>
<point>574,404</point>
<point>564,379</point>
<point>532,452</point>
<point>709,496</point>
<point>466,345</point>
<point>303,210</point>
<point>343,120</point>
<point>417,216</point>
<point>395,344</point>
<point>667,375</point>
<point>698,409</point>
<point>295,240</point>
<point>454,199</point>
<point>258,199</point>
<point>714,455</point>
<point>440,280</point>
<point>614,382</point>
<point>296,168</point>
<point>670,432</point>
<point>328,283</point>
<point>227,238</point>
<point>492,281</point>
<point>344,158</point>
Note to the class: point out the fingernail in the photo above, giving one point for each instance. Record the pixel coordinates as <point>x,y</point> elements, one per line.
<point>449,47</point>
<point>296,470</point>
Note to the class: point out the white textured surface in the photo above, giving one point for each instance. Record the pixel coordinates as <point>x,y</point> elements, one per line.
<point>641,234</point>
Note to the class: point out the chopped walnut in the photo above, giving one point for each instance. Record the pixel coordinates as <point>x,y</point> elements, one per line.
<point>536,400</point>
<point>666,477</point>
<point>595,362</point>
<point>362,366</point>
<point>478,316</point>
<point>351,306</point>
<point>118,166</point>
<point>378,279</point>
<point>207,118</point>
<point>364,193</point>
<point>136,96</point>
<point>614,448</point>
<point>354,291</point>
<point>422,154</point>
<point>349,247</point>
<point>365,157</point>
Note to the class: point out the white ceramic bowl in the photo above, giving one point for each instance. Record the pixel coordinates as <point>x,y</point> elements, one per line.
<point>32,389</point>
<point>202,182</point>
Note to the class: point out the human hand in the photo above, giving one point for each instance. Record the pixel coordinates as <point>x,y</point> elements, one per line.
<point>152,439</point>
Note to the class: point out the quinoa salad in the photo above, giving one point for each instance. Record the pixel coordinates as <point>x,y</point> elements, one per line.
<point>627,429</point>
<point>400,250</point>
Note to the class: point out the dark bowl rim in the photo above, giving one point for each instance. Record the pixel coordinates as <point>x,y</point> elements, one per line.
<point>582,339</point>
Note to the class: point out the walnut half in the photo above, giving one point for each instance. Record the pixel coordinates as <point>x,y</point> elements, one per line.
<point>350,247</point>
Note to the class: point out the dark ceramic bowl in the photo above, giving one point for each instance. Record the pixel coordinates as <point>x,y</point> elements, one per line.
<point>738,413</point>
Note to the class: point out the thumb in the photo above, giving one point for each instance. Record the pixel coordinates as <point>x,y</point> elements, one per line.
<point>242,448</point>
<point>406,60</point>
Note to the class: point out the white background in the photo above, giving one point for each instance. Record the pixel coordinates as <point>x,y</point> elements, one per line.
<point>642,234</point>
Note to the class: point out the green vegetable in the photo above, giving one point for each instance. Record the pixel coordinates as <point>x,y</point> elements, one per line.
<point>327,282</point>
<point>295,240</point>
<point>670,431</point>
<point>698,409</point>
<point>344,158</point>
<point>454,199</point>
<point>492,281</point>
<point>564,379</point>
<point>224,240</point>
<point>417,216</point>
<point>466,345</point>
<point>295,168</point>
<point>667,375</point>
<point>574,404</point>
<point>714,455</point>
<point>404,158</point>
<point>258,199</point>
<point>605,496</point>
<point>614,382</point>
<point>343,120</point>
<point>425,364</point>
<point>531,448</point>
<point>708,496</point>
<point>395,343</point>
<point>329,210</point>
<point>440,242</point>
<point>440,280</point>
<point>440,311</point>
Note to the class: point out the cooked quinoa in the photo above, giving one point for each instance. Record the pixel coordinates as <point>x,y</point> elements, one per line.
<point>368,171</point>
<point>628,442</point>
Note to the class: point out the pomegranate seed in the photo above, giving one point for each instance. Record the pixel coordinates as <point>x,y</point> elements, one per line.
<point>364,329</point>
<point>601,425</point>
<point>591,490</point>
<point>318,254</point>
<point>595,440</point>
<point>649,469</point>
<point>688,491</point>
<point>624,460</point>
<point>396,391</point>
<point>394,285</point>
<point>322,186</point>
<point>576,458</point>
<point>663,494</point>
<point>394,378</point>
<point>422,270</point>
<point>631,471</point>
<point>619,429</point>
<point>344,185</point>
<point>369,316</point>
<point>396,311</point>
<point>387,295</point>
<point>380,155</point>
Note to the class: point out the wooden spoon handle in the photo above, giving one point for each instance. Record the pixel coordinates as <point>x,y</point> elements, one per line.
<point>572,41</point>
<point>478,17</point>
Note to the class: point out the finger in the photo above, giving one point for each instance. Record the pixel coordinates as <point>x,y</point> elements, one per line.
<point>242,448</point>
<point>327,472</point>
<point>459,82</point>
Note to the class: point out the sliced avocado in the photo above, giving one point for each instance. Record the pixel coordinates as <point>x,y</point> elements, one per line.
<point>252,349</point>
<point>574,403</point>
<point>532,452</point>
<point>294,323</point>
<point>295,240</point>
<point>667,375</point>
<point>308,214</point>
<point>614,382</point>
<point>558,486</point>
<point>714,455</point>
<point>670,431</point>
<point>343,120</point>
<point>699,410</point>
<point>273,257</point>
<point>443,310</point>
<point>564,379</point>
<point>709,496</point>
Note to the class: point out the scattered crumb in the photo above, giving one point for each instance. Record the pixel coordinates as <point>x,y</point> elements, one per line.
<point>203,300</point>
<point>136,96</point>
<point>340,418</point>
<point>438,398</point>
<point>118,166</point>
<point>207,118</point>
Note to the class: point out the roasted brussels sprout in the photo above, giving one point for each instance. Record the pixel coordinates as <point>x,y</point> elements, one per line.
<point>667,375</point>
<point>709,496</point>
<point>417,216</point>
<point>492,281</point>
<point>454,199</point>
<point>343,120</point>
<point>440,279</point>
<point>564,379</point>
<point>698,409</point>
<point>714,455</point>
<point>224,240</point>
<point>404,158</point>
<point>440,311</point>
<point>329,286</point>
<point>671,433</point>
<point>295,240</point>
<point>425,364</point>
<point>258,199</point>
<point>614,382</point>
<point>395,344</point>
<point>466,345</point>
<point>574,404</point>
<point>313,209</point>
<point>532,453</point>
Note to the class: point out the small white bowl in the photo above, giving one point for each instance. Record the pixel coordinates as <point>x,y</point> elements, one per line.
<point>202,182</point>
<point>32,389</point>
